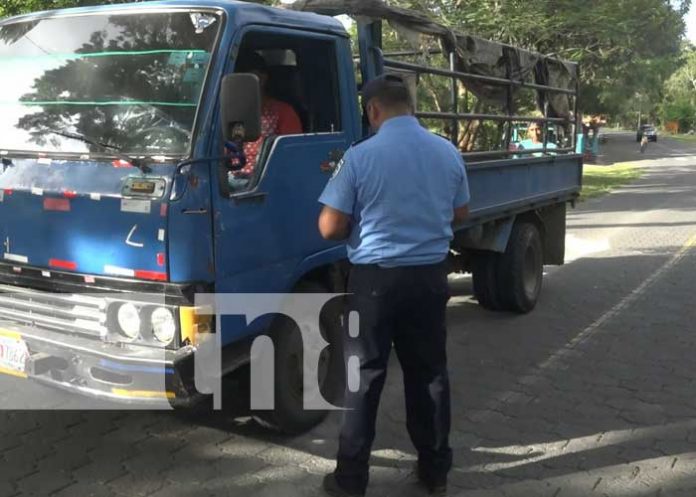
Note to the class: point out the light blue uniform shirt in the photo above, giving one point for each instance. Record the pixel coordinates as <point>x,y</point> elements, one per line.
<point>401,187</point>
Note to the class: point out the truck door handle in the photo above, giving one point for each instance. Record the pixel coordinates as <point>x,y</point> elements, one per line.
<point>250,197</point>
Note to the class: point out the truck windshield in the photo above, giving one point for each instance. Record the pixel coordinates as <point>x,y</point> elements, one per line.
<point>130,81</point>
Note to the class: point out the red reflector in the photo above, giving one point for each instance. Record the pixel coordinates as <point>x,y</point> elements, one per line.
<point>7,191</point>
<point>121,163</point>
<point>163,210</point>
<point>57,204</point>
<point>69,194</point>
<point>160,259</point>
<point>72,266</point>
<point>151,275</point>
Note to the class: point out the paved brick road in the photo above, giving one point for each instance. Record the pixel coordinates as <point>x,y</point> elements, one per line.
<point>591,394</point>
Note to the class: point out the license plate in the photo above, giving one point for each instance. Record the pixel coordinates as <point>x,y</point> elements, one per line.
<point>13,353</point>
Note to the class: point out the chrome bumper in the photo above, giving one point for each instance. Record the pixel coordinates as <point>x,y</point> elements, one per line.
<point>130,374</point>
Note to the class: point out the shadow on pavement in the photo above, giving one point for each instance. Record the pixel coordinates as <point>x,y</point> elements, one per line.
<point>635,374</point>
<point>625,396</point>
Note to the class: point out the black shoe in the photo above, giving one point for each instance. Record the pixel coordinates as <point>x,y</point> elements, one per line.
<point>435,489</point>
<point>434,486</point>
<point>332,487</point>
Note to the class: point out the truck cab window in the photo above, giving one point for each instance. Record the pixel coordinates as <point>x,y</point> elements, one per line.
<point>300,95</point>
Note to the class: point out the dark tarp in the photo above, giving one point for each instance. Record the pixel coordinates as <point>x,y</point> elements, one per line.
<point>472,54</point>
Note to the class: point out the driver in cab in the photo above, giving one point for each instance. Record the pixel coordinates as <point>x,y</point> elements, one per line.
<point>277,117</point>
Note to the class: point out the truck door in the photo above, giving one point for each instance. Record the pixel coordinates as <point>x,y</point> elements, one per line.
<point>268,222</point>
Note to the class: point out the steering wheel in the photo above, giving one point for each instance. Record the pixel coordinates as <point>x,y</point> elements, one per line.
<point>163,133</point>
<point>160,128</point>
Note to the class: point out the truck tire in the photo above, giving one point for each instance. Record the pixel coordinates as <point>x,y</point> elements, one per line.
<point>289,416</point>
<point>521,269</point>
<point>484,275</point>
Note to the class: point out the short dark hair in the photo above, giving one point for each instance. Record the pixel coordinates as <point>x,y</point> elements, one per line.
<point>251,62</point>
<point>390,90</point>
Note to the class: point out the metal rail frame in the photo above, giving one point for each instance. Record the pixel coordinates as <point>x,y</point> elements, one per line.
<point>508,119</point>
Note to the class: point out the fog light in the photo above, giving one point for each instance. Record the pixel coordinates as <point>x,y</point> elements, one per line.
<point>163,325</point>
<point>129,321</point>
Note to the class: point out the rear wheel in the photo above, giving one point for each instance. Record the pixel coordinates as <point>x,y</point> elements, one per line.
<point>521,269</point>
<point>485,280</point>
<point>289,415</point>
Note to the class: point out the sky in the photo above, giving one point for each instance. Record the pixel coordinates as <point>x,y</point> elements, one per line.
<point>691,24</point>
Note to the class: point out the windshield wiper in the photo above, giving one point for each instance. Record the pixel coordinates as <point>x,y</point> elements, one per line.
<point>135,161</point>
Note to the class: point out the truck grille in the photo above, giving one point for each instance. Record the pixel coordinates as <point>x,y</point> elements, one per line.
<point>74,313</point>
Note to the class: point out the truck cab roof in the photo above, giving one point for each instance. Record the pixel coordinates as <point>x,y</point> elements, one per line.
<point>238,13</point>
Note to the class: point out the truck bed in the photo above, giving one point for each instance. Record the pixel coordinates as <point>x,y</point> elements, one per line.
<point>502,188</point>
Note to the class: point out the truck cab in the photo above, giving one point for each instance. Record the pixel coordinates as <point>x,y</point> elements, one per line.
<point>114,184</point>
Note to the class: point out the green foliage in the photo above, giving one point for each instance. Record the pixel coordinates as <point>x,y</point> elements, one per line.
<point>681,111</point>
<point>682,84</point>
<point>14,7</point>
<point>625,47</point>
<point>679,102</point>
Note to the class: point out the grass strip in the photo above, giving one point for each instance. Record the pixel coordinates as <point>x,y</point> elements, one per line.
<point>683,138</point>
<point>600,180</point>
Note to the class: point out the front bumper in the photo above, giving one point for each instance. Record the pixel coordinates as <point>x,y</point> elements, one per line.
<point>129,374</point>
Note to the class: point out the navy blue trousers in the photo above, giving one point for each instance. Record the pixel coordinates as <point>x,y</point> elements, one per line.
<point>403,307</point>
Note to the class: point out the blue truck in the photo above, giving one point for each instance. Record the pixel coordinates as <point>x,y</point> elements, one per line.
<point>116,182</point>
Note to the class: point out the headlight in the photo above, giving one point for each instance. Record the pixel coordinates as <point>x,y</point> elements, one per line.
<point>163,325</point>
<point>128,321</point>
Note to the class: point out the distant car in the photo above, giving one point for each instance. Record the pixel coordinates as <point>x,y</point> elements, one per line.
<point>647,130</point>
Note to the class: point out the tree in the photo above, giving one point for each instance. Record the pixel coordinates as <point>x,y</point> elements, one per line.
<point>680,92</point>
<point>624,47</point>
<point>682,84</point>
<point>14,7</point>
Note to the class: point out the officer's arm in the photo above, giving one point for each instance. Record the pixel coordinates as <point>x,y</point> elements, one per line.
<point>338,198</point>
<point>334,224</point>
<point>460,215</point>
<point>462,196</point>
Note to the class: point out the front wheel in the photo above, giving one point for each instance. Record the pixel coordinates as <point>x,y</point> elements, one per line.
<point>521,269</point>
<point>289,415</point>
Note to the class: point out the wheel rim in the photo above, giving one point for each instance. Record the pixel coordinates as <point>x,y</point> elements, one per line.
<point>532,263</point>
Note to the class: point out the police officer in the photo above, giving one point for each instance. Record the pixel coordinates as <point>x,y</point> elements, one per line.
<point>395,197</point>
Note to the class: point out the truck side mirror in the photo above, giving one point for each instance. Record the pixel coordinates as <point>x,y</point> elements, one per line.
<point>240,101</point>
